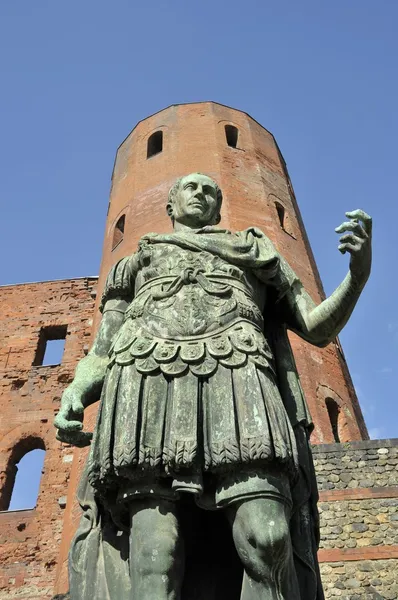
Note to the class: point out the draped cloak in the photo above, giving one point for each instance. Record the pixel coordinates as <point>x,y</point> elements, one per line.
<point>98,545</point>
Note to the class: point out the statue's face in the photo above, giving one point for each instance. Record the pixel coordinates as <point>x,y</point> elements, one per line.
<point>196,203</point>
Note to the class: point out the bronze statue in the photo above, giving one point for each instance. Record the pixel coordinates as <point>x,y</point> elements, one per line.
<point>200,399</point>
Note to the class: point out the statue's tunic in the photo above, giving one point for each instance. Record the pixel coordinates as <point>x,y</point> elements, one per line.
<point>190,400</point>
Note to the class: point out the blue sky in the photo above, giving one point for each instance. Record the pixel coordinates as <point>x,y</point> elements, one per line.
<point>322,76</point>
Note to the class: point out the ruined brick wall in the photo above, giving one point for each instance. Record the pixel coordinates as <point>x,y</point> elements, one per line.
<point>358,485</point>
<point>29,399</point>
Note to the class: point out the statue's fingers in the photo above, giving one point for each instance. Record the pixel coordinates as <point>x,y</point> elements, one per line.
<point>351,248</point>
<point>62,417</point>
<point>351,238</point>
<point>65,424</point>
<point>358,214</point>
<point>77,405</point>
<point>353,226</point>
<point>342,227</point>
<point>362,216</point>
<point>63,436</point>
<point>78,438</point>
<point>84,439</point>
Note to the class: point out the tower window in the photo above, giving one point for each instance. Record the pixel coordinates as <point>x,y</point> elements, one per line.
<point>155,144</point>
<point>231,134</point>
<point>50,348</point>
<point>334,412</point>
<point>281,214</point>
<point>118,232</point>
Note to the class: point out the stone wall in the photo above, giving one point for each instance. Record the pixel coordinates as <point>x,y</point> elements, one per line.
<point>361,580</point>
<point>358,507</point>
<point>359,523</point>
<point>352,465</point>
<point>30,397</point>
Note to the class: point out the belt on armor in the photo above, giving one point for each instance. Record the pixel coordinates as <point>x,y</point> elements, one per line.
<point>209,283</point>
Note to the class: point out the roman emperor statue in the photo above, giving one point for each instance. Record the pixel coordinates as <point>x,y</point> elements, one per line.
<point>200,399</point>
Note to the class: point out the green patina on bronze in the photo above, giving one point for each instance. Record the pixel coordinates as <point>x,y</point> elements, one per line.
<point>200,400</point>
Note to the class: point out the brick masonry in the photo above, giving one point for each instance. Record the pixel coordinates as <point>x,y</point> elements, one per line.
<point>30,396</point>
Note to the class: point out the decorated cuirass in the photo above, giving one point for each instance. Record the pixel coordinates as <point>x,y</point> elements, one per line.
<point>191,310</point>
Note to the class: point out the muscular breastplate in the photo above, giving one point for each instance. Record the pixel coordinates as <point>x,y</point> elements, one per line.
<point>191,310</point>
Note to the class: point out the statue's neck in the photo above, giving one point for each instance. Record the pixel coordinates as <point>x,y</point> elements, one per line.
<point>181,228</point>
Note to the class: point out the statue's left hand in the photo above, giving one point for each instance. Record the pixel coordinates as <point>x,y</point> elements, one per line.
<point>358,242</point>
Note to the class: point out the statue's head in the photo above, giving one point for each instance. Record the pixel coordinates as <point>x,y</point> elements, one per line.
<point>195,201</point>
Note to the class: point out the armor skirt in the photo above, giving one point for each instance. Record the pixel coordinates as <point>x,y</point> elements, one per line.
<point>158,426</point>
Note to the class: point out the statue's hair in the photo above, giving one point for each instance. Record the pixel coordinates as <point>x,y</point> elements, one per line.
<point>175,188</point>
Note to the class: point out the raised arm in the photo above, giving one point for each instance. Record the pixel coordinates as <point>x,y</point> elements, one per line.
<point>320,324</point>
<point>86,386</point>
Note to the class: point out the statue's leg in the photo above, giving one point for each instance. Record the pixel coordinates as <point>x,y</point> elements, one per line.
<point>156,550</point>
<point>260,530</point>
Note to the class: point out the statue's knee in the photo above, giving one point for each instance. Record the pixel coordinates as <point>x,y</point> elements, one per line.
<point>262,541</point>
<point>156,553</point>
<point>271,541</point>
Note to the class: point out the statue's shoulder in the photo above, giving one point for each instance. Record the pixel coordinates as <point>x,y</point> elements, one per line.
<point>122,269</point>
<point>146,239</point>
<point>253,231</point>
<point>255,235</point>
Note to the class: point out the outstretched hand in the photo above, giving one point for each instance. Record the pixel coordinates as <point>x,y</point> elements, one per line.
<point>358,242</point>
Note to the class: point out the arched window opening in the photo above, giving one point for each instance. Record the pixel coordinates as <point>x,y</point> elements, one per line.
<point>281,214</point>
<point>334,412</point>
<point>23,474</point>
<point>118,232</point>
<point>155,144</point>
<point>231,133</point>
